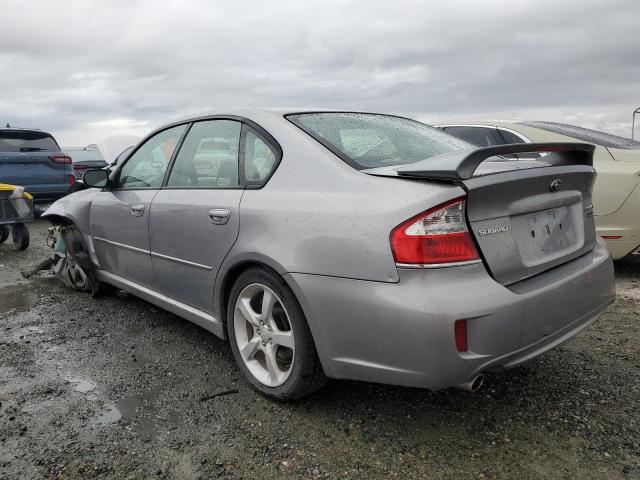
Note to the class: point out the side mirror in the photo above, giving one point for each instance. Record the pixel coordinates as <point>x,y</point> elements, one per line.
<point>96,178</point>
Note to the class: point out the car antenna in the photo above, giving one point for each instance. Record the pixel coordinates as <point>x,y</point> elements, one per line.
<point>8,126</point>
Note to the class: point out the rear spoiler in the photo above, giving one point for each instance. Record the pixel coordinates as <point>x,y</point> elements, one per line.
<point>463,164</point>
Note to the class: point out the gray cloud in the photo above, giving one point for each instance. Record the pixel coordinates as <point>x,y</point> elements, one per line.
<point>84,69</point>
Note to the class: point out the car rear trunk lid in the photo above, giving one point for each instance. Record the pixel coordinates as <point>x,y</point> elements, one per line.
<point>526,216</point>
<point>528,221</point>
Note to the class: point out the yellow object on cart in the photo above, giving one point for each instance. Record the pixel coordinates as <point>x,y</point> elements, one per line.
<point>5,187</point>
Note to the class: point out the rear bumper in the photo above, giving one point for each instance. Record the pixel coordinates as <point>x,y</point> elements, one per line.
<point>625,223</point>
<point>402,333</point>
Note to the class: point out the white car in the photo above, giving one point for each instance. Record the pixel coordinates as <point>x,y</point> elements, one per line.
<point>616,194</point>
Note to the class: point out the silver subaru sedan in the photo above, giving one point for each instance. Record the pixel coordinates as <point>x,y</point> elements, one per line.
<point>347,245</point>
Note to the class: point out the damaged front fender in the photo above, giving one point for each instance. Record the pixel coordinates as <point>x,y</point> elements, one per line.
<point>74,208</point>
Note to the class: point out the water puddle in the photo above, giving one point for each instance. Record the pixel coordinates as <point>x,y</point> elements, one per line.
<point>18,297</point>
<point>80,384</point>
<point>137,411</point>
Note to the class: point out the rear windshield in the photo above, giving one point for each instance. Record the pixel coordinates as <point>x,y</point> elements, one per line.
<point>22,141</point>
<point>366,140</point>
<point>586,135</point>
<point>84,155</point>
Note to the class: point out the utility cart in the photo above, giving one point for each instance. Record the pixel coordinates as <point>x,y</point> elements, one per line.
<point>16,210</point>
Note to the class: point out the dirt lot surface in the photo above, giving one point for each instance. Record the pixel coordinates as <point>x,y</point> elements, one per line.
<point>113,387</point>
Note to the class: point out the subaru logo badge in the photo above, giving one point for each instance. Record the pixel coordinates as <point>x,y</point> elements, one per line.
<point>555,185</point>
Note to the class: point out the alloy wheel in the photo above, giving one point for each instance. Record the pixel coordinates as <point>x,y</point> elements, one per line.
<point>263,334</point>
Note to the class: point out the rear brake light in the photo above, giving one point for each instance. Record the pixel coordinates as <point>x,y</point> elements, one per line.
<point>612,237</point>
<point>460,332</point>
<point>79,167</point>
<point>72,179</point>
<point>60,159</point>
<point>439,235</point>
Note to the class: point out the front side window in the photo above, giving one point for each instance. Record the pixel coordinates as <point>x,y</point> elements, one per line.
<point>208,156</point>
<point>259,159</point>
<point>365,140</point>
<point>147,166</point>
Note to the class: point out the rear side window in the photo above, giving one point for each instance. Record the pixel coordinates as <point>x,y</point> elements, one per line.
<point>259,159</point>
<point>480,136</point>
<point>510,137</point>
<point>208,156</point>
<point>366,140</point>
<point>22,141</point>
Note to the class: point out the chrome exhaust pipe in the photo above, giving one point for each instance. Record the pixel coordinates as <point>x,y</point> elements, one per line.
<point>472,385</point>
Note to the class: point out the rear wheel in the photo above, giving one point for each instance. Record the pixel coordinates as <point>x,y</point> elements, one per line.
<point>4,233</point>
<point>20,234</point>
<point>270,337</point>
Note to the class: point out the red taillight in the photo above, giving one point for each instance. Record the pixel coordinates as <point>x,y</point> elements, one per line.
<point>72,179</point>
<point>611,237</point>
<point>438,235</point>
<point>460,332</point>
<point>79,167</point>
<point>60,158</point>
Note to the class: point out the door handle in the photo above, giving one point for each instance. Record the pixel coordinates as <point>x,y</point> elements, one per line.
<point>137,210</point>
<point>219,216</point>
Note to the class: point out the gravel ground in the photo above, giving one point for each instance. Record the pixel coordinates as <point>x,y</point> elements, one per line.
<point>113,387</point>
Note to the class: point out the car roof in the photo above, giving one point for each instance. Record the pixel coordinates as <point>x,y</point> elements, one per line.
<point>250,112</point>
<point>21,129</point>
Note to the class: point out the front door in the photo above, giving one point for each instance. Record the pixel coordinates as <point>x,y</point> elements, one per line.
<point>120,215</point>
<point>194,219</point>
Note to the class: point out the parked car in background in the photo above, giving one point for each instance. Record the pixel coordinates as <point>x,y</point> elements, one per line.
<point>32,158</point>
<point>347,245</point>
<point>85,158</point>
<point>616,194</point>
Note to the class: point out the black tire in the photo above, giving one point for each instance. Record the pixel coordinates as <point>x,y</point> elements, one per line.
<point>306,374</point>
<point>4,233</point>
<point>20,234</point>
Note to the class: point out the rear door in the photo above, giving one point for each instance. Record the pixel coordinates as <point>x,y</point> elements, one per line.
<point>195,218</point>
<point>120,216</point>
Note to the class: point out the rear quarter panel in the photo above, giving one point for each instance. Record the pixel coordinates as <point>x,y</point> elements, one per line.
<point>319,216</point>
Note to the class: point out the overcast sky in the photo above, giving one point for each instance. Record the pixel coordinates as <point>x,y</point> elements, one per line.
<point>86,69</point>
